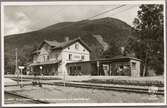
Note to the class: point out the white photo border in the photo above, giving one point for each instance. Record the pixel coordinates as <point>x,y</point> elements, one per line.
<point>3,4</point>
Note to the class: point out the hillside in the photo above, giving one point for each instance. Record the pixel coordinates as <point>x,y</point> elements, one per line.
<point>108,28</point>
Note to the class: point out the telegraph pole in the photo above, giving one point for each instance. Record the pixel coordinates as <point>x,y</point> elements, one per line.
<point>16,61</point>
<point>64,79</point>
<point>16,70</point>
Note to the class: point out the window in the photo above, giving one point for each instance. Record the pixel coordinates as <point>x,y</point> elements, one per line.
<point>71,70</point>
<point>74,68</point>
<point>83,50</point>
<point>56,55</point>
<point>42,58</point>
<point>68,48</point>
<point>70,56</point>
<point>78,67</point>
<point>121,66</point>
<point>105,67</point>
<point>76,46</point>
<point>82,57</point>
<point>133,65</point>
<point>47,57</point>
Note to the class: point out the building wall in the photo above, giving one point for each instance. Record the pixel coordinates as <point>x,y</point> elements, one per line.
<point>135,68</point>
<point>55,55</point>
<point>106,69</point>
<point>76,53</point>
<point>43,55</point>
<point>86,68</point>
<point>73,54</point>
<point>47,55</point>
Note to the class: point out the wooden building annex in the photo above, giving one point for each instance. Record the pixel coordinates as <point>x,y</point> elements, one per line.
<point>120,66</point>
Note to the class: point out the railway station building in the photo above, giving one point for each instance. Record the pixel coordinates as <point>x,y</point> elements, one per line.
<point>53,56</point>
<point>72,57</point>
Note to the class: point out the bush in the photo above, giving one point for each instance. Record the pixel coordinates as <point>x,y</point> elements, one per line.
<point>127,82</point>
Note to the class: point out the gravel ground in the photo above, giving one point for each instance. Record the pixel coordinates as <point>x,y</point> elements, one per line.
<point>61,94</point>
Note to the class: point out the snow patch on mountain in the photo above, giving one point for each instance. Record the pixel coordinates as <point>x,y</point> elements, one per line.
<point>101,41</point>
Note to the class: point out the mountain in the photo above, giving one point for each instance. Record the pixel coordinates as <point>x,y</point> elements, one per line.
<point>93,32</point>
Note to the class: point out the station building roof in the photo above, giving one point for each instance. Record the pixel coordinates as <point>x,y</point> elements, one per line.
<point>119,58</point>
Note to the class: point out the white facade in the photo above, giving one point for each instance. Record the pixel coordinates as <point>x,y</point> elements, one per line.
<point>135,68</point>
<point>75,51</point>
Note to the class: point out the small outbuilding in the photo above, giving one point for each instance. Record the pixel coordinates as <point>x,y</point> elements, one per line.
<point>116,66</point>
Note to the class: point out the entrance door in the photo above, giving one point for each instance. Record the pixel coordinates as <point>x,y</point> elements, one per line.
<point>71,70</point>
<point>106,69</point>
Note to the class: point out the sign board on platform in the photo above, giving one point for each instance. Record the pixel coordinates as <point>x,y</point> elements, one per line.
<point>98,64</point>
<point>21,67</point>
<point>40,67</point>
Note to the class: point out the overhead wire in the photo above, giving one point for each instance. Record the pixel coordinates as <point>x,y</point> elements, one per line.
<point>107,11</point>
<point>85,20</point>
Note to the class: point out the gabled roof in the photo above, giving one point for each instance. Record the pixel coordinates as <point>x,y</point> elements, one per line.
<point>61,45</point>
<point>53,43</point>
<point>35,52</point>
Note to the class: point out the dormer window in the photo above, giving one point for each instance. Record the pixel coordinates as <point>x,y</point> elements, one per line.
<point>76,46</point>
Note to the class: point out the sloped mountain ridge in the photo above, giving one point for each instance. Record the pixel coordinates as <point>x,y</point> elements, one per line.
<point>110,29</point>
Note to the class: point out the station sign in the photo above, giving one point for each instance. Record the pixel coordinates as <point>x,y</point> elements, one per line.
<point>76,56</point>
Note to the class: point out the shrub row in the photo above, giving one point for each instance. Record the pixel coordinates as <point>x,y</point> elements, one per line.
<point>127,82</point>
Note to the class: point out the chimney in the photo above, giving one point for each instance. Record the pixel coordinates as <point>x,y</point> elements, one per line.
<point>67,39</point>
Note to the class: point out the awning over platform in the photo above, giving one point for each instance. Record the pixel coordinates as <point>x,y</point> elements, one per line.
<point>44,63</point>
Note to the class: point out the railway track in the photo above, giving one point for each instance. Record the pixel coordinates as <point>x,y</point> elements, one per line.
<point>124,88</point>
<point>116,88</point>
<point>23,99</point>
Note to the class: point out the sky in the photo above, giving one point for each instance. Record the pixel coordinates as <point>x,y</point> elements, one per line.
<point>21,19</point>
